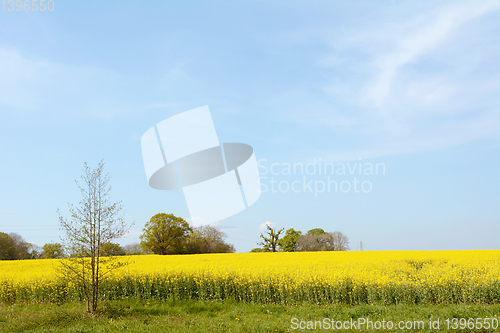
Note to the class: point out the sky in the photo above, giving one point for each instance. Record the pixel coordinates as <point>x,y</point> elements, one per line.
<point>401,96</point>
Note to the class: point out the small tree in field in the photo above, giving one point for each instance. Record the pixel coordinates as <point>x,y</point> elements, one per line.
<point>271,242</point>
<point>94,223</point>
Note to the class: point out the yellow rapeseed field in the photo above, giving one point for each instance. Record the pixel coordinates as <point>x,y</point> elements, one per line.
<point>373,277</point>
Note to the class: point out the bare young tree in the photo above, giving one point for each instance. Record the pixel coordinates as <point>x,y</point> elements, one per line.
<point>95,222</point>
<point>340,242</point>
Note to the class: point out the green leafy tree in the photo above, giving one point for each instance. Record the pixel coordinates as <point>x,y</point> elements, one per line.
<point>289,241</point>
<point>112,249</point>
<point>316,231</point>
<point>270,242</point>
<point>13,246</point>
<point>195,243</point>
<point>52,251</point>
<point>165,234</point>
<point>7,248</point>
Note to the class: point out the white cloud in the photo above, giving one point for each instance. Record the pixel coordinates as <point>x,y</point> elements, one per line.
<point>132,233</point>
<point>264,225</point>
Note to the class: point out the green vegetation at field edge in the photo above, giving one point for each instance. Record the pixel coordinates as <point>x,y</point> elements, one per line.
<point>213,316</point>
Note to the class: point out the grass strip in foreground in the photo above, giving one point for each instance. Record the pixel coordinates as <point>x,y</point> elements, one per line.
<point>214,316</point>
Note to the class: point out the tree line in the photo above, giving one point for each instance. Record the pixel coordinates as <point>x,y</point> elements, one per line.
<point>14,247</point>
<point>163,234</point>
<point>168,234</point>
<point>294,241</point>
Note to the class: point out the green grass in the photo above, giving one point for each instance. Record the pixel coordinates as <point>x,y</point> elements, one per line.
<point>216,316</point>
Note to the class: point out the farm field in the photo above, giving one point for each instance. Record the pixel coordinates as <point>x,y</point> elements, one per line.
<point>350,278</point>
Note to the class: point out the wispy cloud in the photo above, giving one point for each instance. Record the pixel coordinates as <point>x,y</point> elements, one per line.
<point>419,82</point>
<point>33,85</point>
<point>428,35</point>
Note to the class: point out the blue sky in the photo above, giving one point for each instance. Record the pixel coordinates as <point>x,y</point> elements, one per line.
<point>410,85</point>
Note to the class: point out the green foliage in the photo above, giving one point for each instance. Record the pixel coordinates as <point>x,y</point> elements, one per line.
<point>13,246</point>
<point>314,240</point>
<point>111,249</point>
<point>195,243</point>
<point>165,234</point>
<point>289,241</point>
<point>271,242</point>
<point>52,251</point>
<point>316,231</point>
<point>7,247</point>
<point>168,234</point>
<point>258,249</point>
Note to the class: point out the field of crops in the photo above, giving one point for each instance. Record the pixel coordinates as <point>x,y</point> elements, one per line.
<point>368,277</point>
